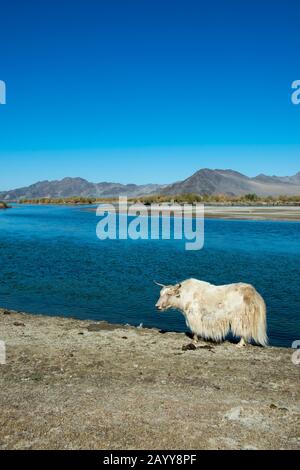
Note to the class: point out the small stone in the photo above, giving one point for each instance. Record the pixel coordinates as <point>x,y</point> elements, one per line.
<point>189,347</point>
<point>19,323</point>
<point>206,346</point>
<point>233,414</point>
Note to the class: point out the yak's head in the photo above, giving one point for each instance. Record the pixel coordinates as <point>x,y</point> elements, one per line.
<point>169,296</point>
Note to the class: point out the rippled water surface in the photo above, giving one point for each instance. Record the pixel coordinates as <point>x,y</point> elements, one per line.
<point>52,262</point>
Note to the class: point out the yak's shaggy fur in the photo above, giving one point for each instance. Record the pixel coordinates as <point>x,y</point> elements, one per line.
<point>213,311</point>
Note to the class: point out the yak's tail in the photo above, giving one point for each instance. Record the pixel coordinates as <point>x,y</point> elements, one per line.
<point>260,332</point>
<point>252,322</point>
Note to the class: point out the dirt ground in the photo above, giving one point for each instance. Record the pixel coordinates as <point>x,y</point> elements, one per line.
<point>70,384</point>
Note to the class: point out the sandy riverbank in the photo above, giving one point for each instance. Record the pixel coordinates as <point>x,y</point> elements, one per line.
<point>276,213</point>
<point>280,213</point>
<point>71,384</point>
<point>218,211</point>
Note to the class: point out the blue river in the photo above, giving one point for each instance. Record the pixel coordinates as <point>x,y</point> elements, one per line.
<point>51,262</point>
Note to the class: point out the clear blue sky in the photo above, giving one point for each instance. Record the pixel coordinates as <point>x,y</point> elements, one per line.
<point>147,90</point>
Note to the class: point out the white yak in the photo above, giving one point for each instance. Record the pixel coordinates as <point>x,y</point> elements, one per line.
<point>213,311</point>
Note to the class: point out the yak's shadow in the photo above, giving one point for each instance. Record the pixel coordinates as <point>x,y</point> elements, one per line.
<point>229,338</point>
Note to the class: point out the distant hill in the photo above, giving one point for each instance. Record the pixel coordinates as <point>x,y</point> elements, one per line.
<point>231,182</point>
<point>69,187</point>
<point>204,181</point>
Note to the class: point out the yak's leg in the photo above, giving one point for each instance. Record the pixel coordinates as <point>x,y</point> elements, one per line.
<point>195,338</point>
<point>242,343</point>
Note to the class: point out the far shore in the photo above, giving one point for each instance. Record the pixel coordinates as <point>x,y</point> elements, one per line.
<point>255,212</point>
<point>278,213</point>
<point>79,384</point>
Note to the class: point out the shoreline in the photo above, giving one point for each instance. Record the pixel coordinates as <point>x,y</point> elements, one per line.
<point>80,384</point>
<point>278,213</point>
<point>251,213</point>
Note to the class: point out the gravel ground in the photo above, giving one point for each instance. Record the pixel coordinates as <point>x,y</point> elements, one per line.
<point>71,384</point>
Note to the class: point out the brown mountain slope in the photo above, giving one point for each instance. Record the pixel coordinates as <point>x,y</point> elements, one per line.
<point>204,181</point>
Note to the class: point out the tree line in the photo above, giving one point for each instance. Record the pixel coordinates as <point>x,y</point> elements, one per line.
<point>189,198</point>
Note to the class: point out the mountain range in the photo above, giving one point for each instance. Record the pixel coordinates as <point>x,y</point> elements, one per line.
<point>204,181</point>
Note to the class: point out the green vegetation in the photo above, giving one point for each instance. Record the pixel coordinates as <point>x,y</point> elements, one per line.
<point>63,200</point>
<point>223,199</point>
<point>189,198</point>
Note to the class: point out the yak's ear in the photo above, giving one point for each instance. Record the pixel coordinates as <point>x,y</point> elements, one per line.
<point>177,290</point>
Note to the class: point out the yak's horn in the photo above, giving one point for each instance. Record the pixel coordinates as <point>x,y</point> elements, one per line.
<point>158,284</point>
